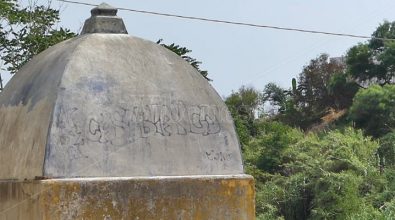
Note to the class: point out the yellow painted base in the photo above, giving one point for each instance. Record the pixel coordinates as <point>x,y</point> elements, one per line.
<point>167,198</point>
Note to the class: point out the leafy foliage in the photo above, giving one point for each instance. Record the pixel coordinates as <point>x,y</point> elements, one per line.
<point>27,31</point>
<point>276,96</point>
<point>182,52</point>
<point>322,85</point>
<point>314,82</point>
<point>374,61</point>
<point>322,177</point>
<point>386,151</point>
<point>342,91</point>
<point>244,105</point>
<point>266,150</point>
<point>373,109</point>
<point>332,173</point>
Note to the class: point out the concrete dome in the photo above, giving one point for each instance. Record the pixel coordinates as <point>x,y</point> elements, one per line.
<point>109,104</point>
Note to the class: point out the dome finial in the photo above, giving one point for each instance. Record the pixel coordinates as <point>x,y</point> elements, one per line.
<point>104,19</point>
<point>104,9</point>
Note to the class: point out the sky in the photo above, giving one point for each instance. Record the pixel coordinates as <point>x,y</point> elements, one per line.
<point>236,55</point>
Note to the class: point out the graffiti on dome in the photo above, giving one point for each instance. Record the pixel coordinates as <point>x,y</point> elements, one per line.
<point>123,125</point>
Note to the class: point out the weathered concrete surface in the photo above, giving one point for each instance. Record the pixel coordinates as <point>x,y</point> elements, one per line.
<point>113,105</point>
<point>26,107</point>
<point>209,197</point>
<point>104,20</point>
<point>137,110</point>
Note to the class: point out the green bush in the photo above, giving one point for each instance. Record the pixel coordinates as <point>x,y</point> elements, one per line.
<point>373,109</point>
<point>318,176</point>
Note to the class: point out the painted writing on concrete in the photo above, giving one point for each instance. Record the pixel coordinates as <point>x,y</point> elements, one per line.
<point>125,124</point>
<point>218,155</point>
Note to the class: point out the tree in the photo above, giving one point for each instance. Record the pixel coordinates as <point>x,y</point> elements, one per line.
<point>313,95</point>
<point>244,105</point>
<point>321,86</point>
<point>360,64</point>
<point>374,61</point>
<point>182,52</point>
<point>373,109</point>
<point>26,31</point>
<point>276,96</point>
<point>342,90</point>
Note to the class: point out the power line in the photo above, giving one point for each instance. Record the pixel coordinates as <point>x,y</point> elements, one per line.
<point>238,23</point>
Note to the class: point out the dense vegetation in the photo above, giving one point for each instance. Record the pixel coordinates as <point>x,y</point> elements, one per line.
<point>325,147</point>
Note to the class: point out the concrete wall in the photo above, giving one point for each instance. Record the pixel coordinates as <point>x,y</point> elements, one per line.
<point>179,198</point>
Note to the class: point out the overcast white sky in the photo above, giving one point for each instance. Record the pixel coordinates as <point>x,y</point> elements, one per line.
<point>236,56</point>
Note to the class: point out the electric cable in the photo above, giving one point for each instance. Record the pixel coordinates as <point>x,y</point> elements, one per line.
<point>238,23</point>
